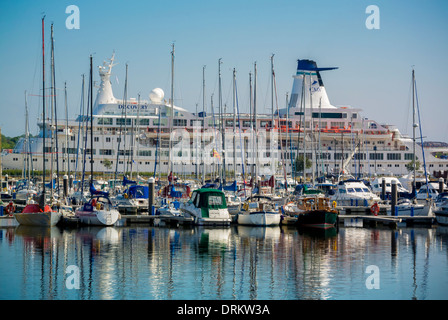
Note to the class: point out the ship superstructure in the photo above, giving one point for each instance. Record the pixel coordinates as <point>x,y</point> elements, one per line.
<point>134,136</point>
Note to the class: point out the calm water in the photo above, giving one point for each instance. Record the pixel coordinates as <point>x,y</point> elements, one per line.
<point>237,263</point>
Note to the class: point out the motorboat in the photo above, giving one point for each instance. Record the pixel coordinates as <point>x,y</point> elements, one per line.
<point>441,213</point>
<point>354,192</point>
<point>207,206</point>
<point>259,211</point>
<point>316,211</point>
<point>377,185</point>
<point>407,207</point>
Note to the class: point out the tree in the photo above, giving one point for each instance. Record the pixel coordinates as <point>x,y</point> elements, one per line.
<point>410,165</point>
<point>299,163</point>
<point>107,164</point>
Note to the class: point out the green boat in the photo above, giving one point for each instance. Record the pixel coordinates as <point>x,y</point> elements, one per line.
<point>207,206</point>
<point>317,212</point>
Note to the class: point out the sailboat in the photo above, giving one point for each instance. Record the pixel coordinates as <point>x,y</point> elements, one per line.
<point>259,211</point>
<point>40,214</point>
<point>406,206</point>
<point>99,210</point>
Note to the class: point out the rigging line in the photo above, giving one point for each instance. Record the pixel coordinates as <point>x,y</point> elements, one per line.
<point>278,113</point>
<point>421,137</point>
<point>241,143</point>
<point>81,120</point>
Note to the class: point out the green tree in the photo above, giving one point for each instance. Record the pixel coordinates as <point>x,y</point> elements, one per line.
<point>107,164</point>
<point>299,163</point>
<point>410,165</point>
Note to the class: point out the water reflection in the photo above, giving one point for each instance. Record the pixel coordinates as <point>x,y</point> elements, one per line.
<point>139,262</point>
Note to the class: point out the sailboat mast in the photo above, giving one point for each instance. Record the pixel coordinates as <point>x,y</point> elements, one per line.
<point>255,122</point>
<point>203,124</point>
<point>91,121</point>
<point>66,130</point>
<point>55,130</point>
<point>234,125</point>
<point>221,124</point>
<point>414,125</point>
<point>272,91</point>
<point>43,112</point>
<point>170,168</point>
<point>252,170</point>
<point>26,163</point>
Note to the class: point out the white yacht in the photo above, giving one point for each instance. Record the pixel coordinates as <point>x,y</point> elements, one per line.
<point>377,185</point>
<point>354,192</point>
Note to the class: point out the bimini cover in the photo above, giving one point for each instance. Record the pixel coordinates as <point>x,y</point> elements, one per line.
<point>138,192</point>
<point>127,181</point>
<point>95,192</point>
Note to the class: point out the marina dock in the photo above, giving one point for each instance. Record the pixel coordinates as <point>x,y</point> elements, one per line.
<point>391,221</point>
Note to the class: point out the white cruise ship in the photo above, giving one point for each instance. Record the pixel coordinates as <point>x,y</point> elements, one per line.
<point>132,135</point>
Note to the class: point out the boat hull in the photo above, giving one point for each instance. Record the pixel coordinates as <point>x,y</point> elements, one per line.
<point>442,217</point>
<point>317,219</point>
<point>261,218</point>
<point>8,221</point>
<point>43,219</point>
<point>98,217</point>
<point>413,211</point>
<point>212,221</point>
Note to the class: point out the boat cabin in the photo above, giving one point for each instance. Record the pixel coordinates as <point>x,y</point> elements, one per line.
<point>208,199</point>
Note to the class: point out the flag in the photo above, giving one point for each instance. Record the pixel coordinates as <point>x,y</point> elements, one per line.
<point>216,154</point>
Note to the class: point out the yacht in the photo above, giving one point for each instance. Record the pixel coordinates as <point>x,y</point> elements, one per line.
<point>354,192</point>
<point>207,207</point>
<point>377,185</point>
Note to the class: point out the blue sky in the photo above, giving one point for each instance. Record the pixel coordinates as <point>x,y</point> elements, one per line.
<point>374,65</point>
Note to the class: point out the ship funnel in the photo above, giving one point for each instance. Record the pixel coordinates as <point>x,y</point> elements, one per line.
<point>105,94</point>
<point>308,88</point>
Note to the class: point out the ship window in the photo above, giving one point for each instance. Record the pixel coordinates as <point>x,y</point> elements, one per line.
<point>144,122</point>
<point>197,123</point>
<point>342,191</point>
<point>365,190</point>
<point>180,122</point>
<point>350,190</point>
<point>107,121</point>
<point>163,122</point>
<point>121,121</point>
<point>144,153</point>
<point>329,115</point>
<point>358,189</point>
